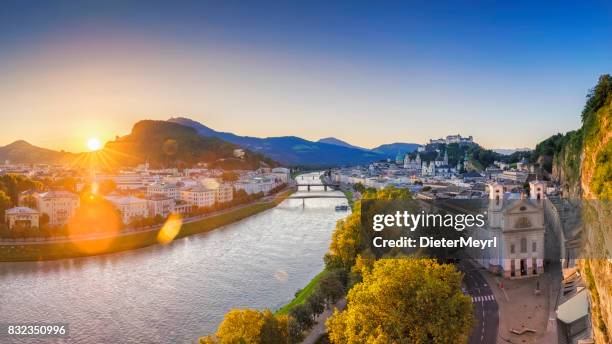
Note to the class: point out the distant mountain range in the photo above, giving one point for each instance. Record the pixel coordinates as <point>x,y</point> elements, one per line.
<point>508,151</point>
<point>338,142</point>
<point>391,149</point>
<point>196,141</point>
<point>23,152</point>
<point>168,144</point>
<point>292,150</point>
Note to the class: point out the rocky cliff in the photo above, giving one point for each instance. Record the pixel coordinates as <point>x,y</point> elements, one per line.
<point>585,169</point>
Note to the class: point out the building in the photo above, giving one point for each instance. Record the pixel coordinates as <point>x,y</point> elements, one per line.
<point>128,180</point>
<point>160,205</point>
<point>413,165</point>
<point>399,158</point>
<point>60,206</point>
<point>454,139</point>
<point>182,207</point>
<point>255,185</point>
<point>282,174</point>
<point>439,167</point>
<point>513,175</point>
<point>518,223</point>
<point>130,207</point>
<point>22,217</point>
<point>224,191</point>
<point>170,190</point>
<point>199,196</point>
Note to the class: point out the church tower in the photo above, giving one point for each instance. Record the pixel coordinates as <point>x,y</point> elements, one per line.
<point>399,158</point>
<point>496,204</point>
<point>446,157</point>
<point>536,191</point>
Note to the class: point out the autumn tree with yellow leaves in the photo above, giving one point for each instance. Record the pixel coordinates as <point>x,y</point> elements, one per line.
<point>404,300</point>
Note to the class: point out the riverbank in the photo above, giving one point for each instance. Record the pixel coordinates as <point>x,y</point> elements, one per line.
<point>302,295</point>
<point>130,241</point>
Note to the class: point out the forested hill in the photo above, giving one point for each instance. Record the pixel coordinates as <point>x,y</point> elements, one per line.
<point>167,144</point>
<point>580,159</point>
<point>23,152</point>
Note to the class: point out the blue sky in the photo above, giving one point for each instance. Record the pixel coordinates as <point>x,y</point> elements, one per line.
<point>508,73</point>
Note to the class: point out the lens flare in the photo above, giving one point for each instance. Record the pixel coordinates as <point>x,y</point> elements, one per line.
<point>170,230</point>
<point>95,217</point>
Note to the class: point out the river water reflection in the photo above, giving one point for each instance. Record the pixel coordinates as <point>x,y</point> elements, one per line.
<point>178,292</point>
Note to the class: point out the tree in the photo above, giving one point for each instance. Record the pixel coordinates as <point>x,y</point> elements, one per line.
<point>316,302</point>
<point>44,220</point>
<point>404,301</point>
<point>597,97</point>
<point>250,326</point>
<point>346,240</point>
<point>331,287</point>
<point>359,187</point>
<point>303,315</point>
<point>29,201</point>
<point>229,176</point>
<point>5,203</point>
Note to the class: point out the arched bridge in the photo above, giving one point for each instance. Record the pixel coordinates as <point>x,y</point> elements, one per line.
<point>324,185</point>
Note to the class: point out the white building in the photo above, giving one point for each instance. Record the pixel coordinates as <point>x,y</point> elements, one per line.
<point>164,188</point>
<point>224,191</point>
<point>281,173</point>
<point>130,207</point>
<point>128,180</point>
<point>519,226</point>
<point>514,175</point>
<point>199,196</point>
<point>22,217</point>
<point>413,165</point>
<point>255,185</point>
<point>160,205</point>
<point>60,206</point>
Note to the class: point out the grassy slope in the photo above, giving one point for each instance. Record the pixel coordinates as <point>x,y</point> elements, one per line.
<point>303,294</point>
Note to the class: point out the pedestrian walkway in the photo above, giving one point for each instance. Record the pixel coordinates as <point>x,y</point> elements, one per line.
<point>483,298</point>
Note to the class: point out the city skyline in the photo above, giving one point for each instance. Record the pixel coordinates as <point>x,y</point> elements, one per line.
<point>510,75</point>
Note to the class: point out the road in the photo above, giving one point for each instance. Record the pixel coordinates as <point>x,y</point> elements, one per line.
<point>486,314</point>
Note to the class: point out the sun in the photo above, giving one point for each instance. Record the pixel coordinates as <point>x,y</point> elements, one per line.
<point>94,144</point>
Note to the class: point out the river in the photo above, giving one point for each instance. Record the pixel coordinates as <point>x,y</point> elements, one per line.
<point>178,292</point>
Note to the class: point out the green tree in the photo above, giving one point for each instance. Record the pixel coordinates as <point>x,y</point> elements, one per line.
<point>316,302</point>
<point>331,288</point>
<point>359,187</point>
<point>404,301</point>
<point>303,315</point>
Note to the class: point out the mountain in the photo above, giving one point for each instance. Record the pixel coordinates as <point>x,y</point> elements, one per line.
<point>338,142</point>
<point>289,150</point>
<point>168,144</point>
<point>23,152</point>
<point>508,151</point>
<point>390,150</point>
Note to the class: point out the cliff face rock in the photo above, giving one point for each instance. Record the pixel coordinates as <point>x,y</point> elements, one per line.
<point>596,188</point>
<point>566,171</point>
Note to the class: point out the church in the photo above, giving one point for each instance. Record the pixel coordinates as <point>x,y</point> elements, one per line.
<point>438,167</point>
<point>518,223</point>
<point>412,165</point>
